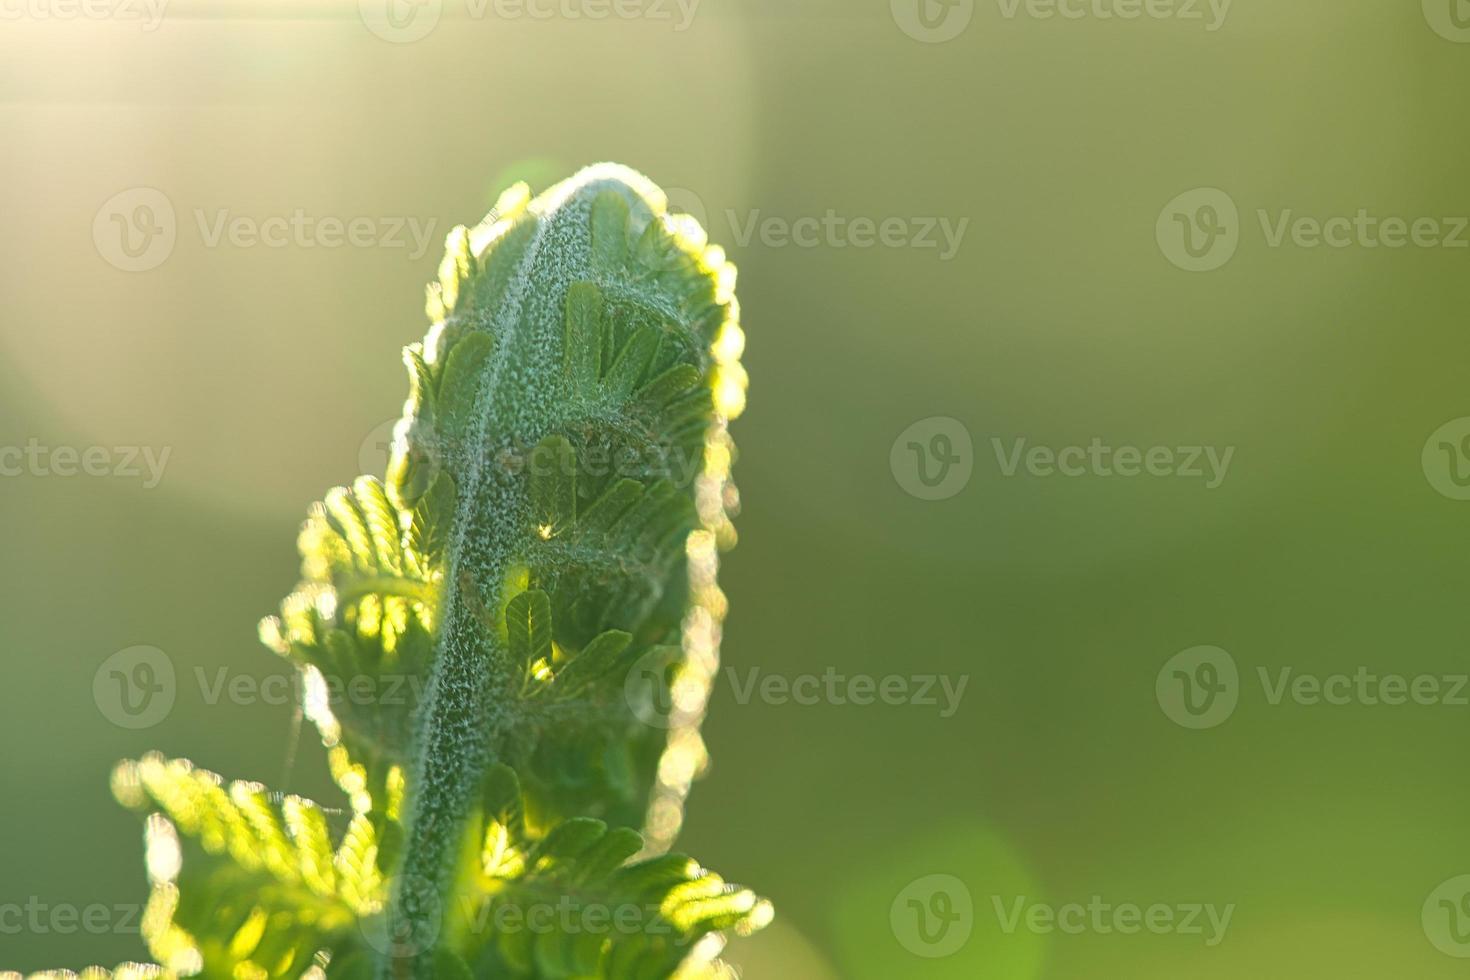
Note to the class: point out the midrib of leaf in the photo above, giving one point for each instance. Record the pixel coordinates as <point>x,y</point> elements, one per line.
<point>463,727</point>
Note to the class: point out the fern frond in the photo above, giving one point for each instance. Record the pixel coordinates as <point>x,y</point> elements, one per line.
<point>574,904</point>
<point>245,883</point>
<point>575,388</point>
<point>469,626</point>
<point>362,624</point>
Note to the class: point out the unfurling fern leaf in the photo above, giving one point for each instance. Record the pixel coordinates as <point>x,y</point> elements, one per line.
<point>507,639</point>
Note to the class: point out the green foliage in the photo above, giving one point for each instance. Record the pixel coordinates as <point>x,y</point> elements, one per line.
<point>475,627</point>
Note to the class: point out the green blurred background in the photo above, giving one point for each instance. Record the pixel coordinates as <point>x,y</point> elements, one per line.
<point>1061,318</point>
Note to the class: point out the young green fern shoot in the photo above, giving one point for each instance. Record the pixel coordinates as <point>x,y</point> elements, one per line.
<point>539,561</point>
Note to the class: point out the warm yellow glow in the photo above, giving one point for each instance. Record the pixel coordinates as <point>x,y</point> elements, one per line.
<point>316,705</point>
<point>730,343</point>
<point>665,817</point>
<point>687,230</point>
<point>725,277</point>
<point>352,777</point>
<point>247,970</point>
<point>730,382</point>
<point>163,856</point>
<point>248,937</point>
<point>395,783</point>
<point>760,917</point>
<point>701,958</point>
<point>127,787</point>
<point>173,946</point>
<point>508,207</point>
<point>678,768</point>
<point>717,458</point>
